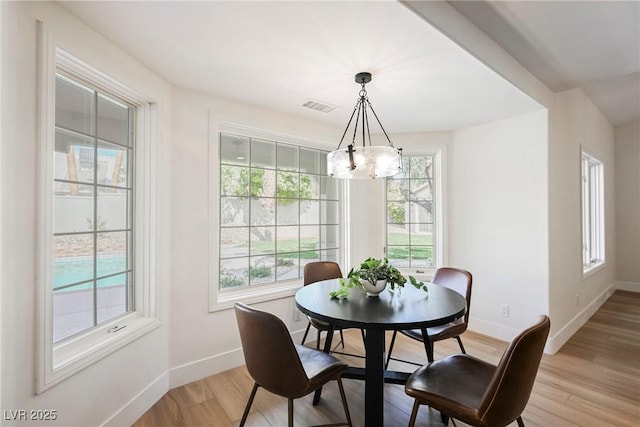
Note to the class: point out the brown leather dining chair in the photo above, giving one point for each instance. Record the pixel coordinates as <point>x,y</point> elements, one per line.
<point>315,272</point>
<point>455,279</point>
<point>476,392</point>
<point>281,367</point>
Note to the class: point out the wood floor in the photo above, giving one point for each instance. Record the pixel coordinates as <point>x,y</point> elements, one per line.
<point>593,381</point>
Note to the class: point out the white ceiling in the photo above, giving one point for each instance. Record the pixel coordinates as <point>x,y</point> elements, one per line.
<point>279,54</point>
<point>593,45</point>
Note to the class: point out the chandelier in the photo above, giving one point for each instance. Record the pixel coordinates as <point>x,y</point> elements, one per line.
<point>367,161</point>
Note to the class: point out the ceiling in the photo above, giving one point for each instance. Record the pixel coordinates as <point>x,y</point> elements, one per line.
<point>280,54</point>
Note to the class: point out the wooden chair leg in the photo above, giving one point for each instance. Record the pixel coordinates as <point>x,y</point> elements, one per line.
<point>249,403</point>
<point>393,340</point>
<point>520,422</point>
<point>344,402</point>
<point>306,332</point>
<point>460,344</point>
<point>290,412</point>
<point>414,413</point>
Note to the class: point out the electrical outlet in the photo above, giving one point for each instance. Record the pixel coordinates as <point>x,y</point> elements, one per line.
<point>504,310</point>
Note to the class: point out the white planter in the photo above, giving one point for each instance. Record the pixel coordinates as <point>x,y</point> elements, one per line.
<point>373,291</point>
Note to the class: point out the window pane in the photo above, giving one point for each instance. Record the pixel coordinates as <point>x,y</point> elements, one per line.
<point>73,311</point>
<point>398,234</point>
<point>234,211</point>
<point>309,238</point>
<point>72,259</point>
<point>263,240</point>
<point>287,185</point>
<point>234,181</point>
<point>309,161</point>
<point>73,208</point>
<point>75,106</point>
<point>398,255</point>
<point>113,121</point>
<point>421,256</point>
<point>262,270</point>
<point>329,255</point>
<point>287,239</point>
<point>287,157</point>
<point>420,167</point>
<point>396,213</point>
<point>328,212</point>
<point>309,187</point>
<point>309,212</point>
<point>288,212</point>
<point>422,234</point>
<point>112,211</point>
<point>421,189</point>
<point>112,296</point>
<point>396,189</point>
<point>329,236</point>
<point>234,242</point>
<point>234,149</point>
<point>263,183</point>
<point>74,157</point>
<point>328,188</point>
<point>288,266</point>
<point>263,154</point>
<point>112,252</point>
<point>420,212</point>
<point>263,211</point>
<point>234,272</point>
<point>113,165</point>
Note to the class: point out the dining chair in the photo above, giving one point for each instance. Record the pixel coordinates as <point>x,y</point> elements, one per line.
<point>281,367</point>
<point>478,393</point>
<point>455,279</point>
<point>315,272</point>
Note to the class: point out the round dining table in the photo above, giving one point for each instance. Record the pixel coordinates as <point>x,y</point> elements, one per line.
<point>404,308</point>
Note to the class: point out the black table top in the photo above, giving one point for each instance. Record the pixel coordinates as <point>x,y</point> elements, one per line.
<point>409,308</point>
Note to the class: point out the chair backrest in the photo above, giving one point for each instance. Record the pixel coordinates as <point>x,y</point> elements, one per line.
<point>321,270</point>
<point>458,280</point>
<point>269,353</point>
<point>510,388</point>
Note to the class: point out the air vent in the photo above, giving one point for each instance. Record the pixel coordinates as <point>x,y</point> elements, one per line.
<point>318,105</point>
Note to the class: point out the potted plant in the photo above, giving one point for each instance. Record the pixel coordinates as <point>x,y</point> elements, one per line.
<point>372,277</point>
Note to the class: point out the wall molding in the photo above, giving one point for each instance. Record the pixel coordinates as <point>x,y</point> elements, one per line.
<point>556,342</point>
<point>628,286</point>
<point>492,329</point>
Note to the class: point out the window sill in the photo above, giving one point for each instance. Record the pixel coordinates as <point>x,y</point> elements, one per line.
<point>74,355</point>
<point>592,270</point>
<point>224,300</point>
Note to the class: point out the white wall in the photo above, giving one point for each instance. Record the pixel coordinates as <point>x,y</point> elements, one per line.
<point>627,165</point>
<point>575,122</point>
<point>100,391</point>
<point>498,220</point>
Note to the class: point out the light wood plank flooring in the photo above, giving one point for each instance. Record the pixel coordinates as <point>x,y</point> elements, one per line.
<point>593,381</point>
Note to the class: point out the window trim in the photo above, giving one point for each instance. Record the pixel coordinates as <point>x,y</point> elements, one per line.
<point>439,154</point>
<point>224,300</point>
<point>57,362</point>
<point>596,206</point>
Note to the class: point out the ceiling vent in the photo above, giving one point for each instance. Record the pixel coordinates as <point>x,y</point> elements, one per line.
<point>318,105</point>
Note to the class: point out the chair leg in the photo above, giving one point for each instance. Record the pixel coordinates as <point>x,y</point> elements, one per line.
<point>318,340</point>
<point>306,332</point>
<point>414,413</point>
<point>290,412</point>
<point>341,338</point>
<point>445,419</point>
<point>344,402</point>
<point>520,422</point>
<point>460,344</point>
<point>393,340</point>
<point>249,403</point>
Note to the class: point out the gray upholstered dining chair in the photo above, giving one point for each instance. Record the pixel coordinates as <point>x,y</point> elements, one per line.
<point>278,365</point>
<point>455,279</point>
<point>478,393</point>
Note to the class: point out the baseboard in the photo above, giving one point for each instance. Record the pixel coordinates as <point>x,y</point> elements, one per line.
<point>556,342</point>
<point>492,329</point>
<point>141,403</point>
<point>628,286</point>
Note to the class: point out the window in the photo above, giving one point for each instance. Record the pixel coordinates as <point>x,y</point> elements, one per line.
<point>92,208</point>
<point>413,214</point>
<point>278,211</point>
<point>592,213</point>
<point>99,233</point>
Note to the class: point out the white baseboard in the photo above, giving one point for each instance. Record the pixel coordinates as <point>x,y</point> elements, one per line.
<point>141,403</point>
<point>562,336</point>
<point>492,329</point>
<point>628,286</point>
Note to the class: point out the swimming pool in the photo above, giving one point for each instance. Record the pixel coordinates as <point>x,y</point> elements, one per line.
<point>73,270</point>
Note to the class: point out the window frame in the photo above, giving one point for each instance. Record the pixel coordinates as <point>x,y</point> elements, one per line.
<point>222,300</point>
<point>592,200</point>
<point>57,362</point>
<point>439,251</point>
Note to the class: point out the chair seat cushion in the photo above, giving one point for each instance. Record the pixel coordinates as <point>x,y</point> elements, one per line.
<point>438,333</point>
<point>320,325</point>
<point>320,367</point>
<point>453,385</point>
